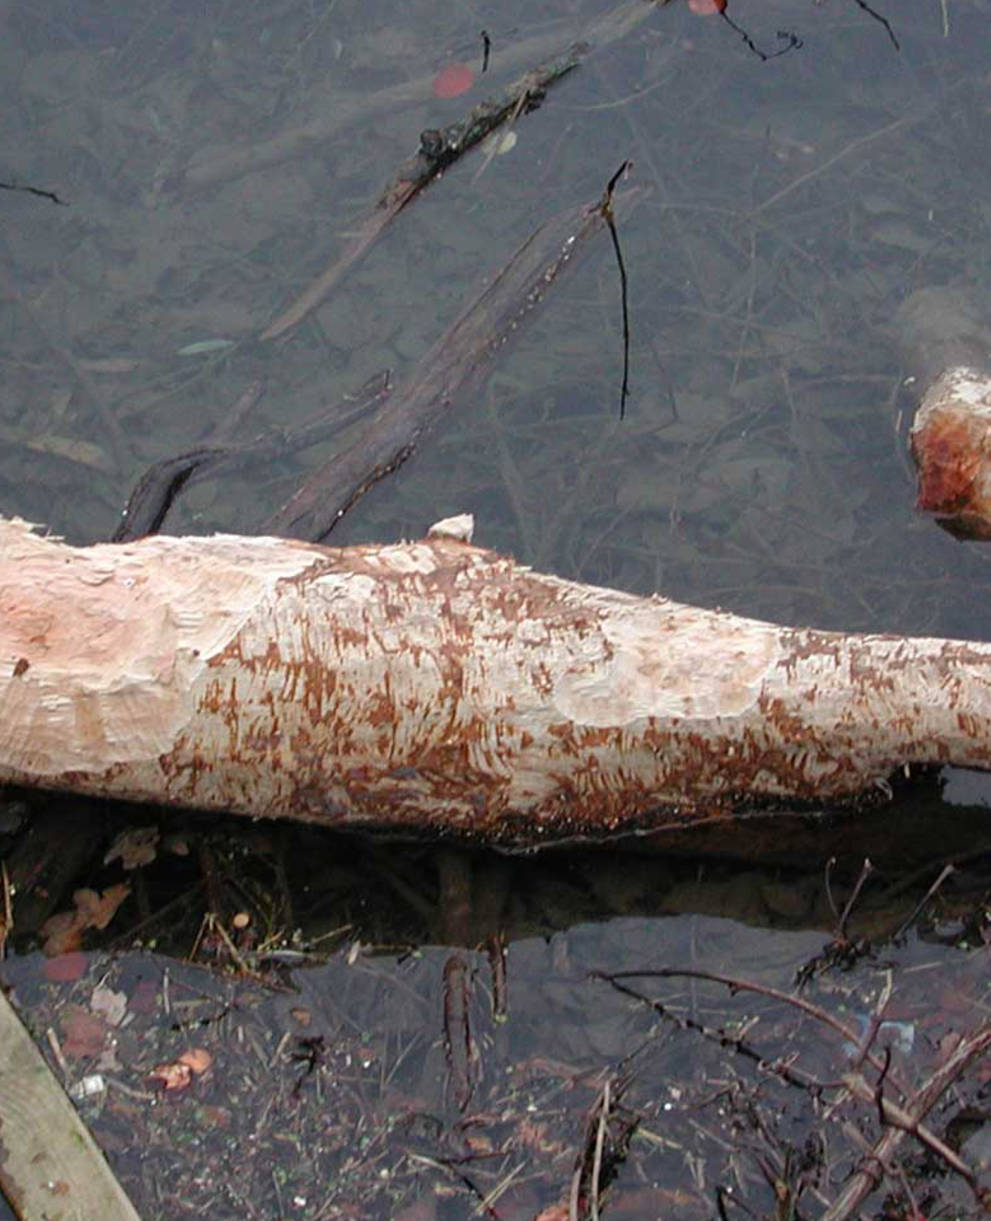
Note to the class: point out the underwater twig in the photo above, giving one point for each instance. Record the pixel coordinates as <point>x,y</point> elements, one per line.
<point>338,111</point>
<point>438,150</point>
<point>458,1043</point>
<point>736,984</point>
<point>866,8</point>
<point>450,1167</point>
<point>496,142</point>
<point>7,914</point>
<point>486,49</point>
<point>600,1139</point>
<point>829,890</point>
<point>609,1127</point>
<point>792,41</point>
<point>865,872</point>
<point>870,137</point>
<point>12,186</point>
<point>735,1042</point>
<point>157,489</point>
<point>155,492</point>
<point>910,919</point>
<point>442,376</point>
<point>841,951</point>
<point>607,215</point>
<point>909,1120</point>
<point>898,1118</point>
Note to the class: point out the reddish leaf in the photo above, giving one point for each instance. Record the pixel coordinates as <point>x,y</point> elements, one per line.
<point>83,1033</point>
<point>453,80</point>
<point>64,967</point>
<point>174,1076</point>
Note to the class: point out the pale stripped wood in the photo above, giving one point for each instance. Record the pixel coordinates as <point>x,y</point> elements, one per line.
<point>436,686</point>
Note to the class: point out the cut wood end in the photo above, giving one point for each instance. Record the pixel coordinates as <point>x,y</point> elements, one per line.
<point>951,445</point>
<point>100,646</point>
<point>460,528</point>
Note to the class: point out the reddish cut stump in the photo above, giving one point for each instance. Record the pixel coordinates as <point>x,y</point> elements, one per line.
<point>951,445</point>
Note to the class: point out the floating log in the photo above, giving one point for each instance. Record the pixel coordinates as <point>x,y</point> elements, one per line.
<point>436,687</point>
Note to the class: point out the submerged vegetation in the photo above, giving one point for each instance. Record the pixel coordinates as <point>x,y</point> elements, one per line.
<point>261,1022</point>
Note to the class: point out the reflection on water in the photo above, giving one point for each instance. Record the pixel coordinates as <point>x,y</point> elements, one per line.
<point>392,1029</point>
<point>338,1090</point>
<point>213,161</point>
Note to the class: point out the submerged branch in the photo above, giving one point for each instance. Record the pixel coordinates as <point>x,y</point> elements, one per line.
<point>438,150</point>
<point>335,112</point>
<point>443,375</point>
<point>155,492</point>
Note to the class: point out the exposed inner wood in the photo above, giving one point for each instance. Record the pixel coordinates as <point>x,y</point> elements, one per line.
<point>435,686</point>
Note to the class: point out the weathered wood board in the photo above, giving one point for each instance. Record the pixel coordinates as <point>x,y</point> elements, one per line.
<point>50,1166</point>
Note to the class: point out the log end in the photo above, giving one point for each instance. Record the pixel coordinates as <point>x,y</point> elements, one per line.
<point>951,446</point>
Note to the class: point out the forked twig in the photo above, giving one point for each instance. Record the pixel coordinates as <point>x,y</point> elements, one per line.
<point>898,1119</point>
<point>909,1120</point>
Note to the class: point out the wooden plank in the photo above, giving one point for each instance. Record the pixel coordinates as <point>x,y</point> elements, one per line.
<point>50,1167</point>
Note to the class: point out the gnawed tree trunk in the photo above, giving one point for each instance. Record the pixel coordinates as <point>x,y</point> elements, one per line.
<point>436,686</point>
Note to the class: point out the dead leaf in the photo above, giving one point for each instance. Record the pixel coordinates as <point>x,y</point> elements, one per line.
<point>173,1076</point>
<point>197,1059</point>
<point>109,1004</point>
<point>84,1034</point>
<point>65,968</point>
<point>135,846</point>
<point>555,1212</point>
<point>99,910</point>
<point>63,932</point>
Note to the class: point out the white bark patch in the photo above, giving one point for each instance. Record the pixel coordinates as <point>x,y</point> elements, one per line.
<point>657,666</point>
<point>102,645</point>
<point>437,685</point>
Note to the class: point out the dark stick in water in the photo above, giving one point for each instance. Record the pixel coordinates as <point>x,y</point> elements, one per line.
<point>452,366</point>
<point>438,150</point>
<point>154,493</point>
<point>607,215</point>
<point>156,490</point>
